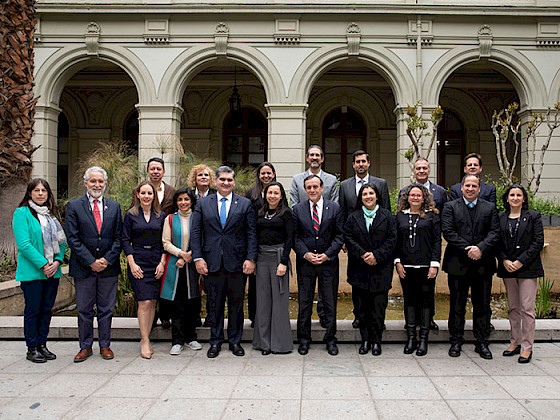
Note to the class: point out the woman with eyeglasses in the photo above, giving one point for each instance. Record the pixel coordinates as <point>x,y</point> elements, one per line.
<point>417,261</point>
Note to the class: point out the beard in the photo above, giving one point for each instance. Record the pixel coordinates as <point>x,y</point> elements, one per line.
<point>95,193</point>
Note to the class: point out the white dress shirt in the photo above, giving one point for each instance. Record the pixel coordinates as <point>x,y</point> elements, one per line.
<point>228,198</point>
<point>319,209</point>
<point>99,205</point>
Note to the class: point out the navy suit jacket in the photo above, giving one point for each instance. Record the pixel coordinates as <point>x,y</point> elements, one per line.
<point>460,231</point>
<point>87,244</point>
<point>438,194</point>
<point>233,244</point>
<point>487,192</point>
<point>331,231</point>
<point>348,195</point>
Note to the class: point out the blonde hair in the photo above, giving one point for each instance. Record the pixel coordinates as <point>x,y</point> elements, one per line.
<point>196,170</point>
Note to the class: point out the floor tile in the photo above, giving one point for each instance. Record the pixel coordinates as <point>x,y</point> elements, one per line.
<point>338,409</point>
<point>69,385</point>
<point>144,386</point>
<point>402,388</point>
<point>413,410</point>
<point>265,409</point>
<point>530,387</point>
<point>489,409</point>
<point>274,364</point>
<point>42,408</point>
<point>200,386</point>
<point>542,409</point>
<point>388,367</point>
<point>268,387</point>
<point>476,387</point>
<point>200,409</point>
<point>335,388</point>
<point>96,408</point>
<point>460,366</point>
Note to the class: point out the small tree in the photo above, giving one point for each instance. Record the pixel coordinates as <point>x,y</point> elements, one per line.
<point>505,127</point>
<point>552,119</point>
<point>415,130</point>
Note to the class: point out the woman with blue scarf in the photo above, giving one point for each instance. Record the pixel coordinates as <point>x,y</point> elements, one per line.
<point>41,244</point>
<point>370,238</point>
<point>180,279</point>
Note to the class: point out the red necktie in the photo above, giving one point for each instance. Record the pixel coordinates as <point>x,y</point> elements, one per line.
<point>97,216</point>
<point>315,218</point>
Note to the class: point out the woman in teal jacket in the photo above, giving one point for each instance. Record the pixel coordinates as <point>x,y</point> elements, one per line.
<point>41,244</point>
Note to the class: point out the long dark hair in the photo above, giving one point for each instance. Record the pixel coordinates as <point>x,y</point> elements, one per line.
<point>427,200</point>
<point>282,205</point>
<point>524,206</point>
<point>359,203</point>
<point>180,191</point>
<point>50,203</point>
<point>257,188</point>
<point>135,206</point>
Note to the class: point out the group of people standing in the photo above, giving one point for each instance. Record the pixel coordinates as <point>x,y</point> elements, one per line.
<point>180,243</point>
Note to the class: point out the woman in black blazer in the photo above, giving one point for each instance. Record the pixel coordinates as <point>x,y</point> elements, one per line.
<point>521,241</point>
<point>370,238</point>
<point>417,261</point>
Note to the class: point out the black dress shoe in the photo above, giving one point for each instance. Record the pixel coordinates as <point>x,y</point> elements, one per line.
<point>323,323</point>
<point>376,349</point>
<point>455,350</point>
<point>525,359</point>
<point>433,326</point>
<point>34,355</point>
<point>303,348</point>
<point>252,324</point>
<point>508,353</point>
<point>214,351</point>
<point>45,352</point>
<point>332,348</point>
<point>356,323</point>
<point>165,324</point>
<point>237,350</point>
<point>483,350</point>
<point>265,352</point>
<point>364,348</point>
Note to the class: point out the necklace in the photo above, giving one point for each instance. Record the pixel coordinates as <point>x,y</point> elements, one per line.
<point>268,215</point>
<point>513,230</point>
<point>412,229</point>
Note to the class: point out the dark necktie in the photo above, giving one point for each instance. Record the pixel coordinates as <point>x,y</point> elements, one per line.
<point>316,224</point>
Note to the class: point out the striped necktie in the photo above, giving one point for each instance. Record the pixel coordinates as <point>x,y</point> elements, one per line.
<point>316,224</point>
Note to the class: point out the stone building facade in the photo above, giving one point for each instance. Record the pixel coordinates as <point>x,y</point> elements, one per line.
<point>330,72</point>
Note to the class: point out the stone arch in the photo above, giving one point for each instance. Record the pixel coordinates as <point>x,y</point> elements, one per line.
<point>517,68</point>
<point>469,110</point>
<point>74,109</point>
<point>385,62</point>
<point>59,68</point>
<point>554,95</point>
<point>192,61</point>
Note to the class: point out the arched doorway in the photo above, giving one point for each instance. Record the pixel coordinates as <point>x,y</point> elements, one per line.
<point>451,149</point>
<point>245,138</point>
<point>344,132</point>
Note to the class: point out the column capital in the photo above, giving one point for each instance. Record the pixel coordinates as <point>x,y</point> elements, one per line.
<point>150,111</point>
<point>286,110</point>
<point>51,110</point>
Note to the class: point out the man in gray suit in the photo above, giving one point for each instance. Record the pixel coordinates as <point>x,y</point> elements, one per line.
<point>314,157</point>
<point>350,188</point>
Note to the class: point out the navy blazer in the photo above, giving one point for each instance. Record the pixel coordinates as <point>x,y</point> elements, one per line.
<point>526,247</point>
<point>233,244</point>
<point>487,192</point>
<point>331,230</point>
<point>381,240</point>
<point>439,195</point>
<point>87,244</point>
<point>348,195</point>
<point>460,231</point>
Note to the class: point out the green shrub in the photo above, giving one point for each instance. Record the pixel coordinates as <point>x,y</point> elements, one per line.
<point>542,205</point>
<point>543,304</point>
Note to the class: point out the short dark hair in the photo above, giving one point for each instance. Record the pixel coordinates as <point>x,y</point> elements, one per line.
<point>524,206</point>
<point>184,190</point>
<point>156,159</point>
<point>359,153</point>
<point>473,155</point>
<point>359,202</point>
<point>314,146</point>
<point>467,175</point>
<point>225,169</point>
<point>308,177</point>
<point>421,158</point>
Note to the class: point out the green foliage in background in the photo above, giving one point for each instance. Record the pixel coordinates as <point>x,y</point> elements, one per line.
<point>542,205</point>
<point>543,305</point>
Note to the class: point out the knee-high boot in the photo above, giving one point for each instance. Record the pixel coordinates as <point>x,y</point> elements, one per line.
<point>424,332</point>
<point>411,342</point>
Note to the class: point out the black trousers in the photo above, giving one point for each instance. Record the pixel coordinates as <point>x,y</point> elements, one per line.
<point>184,314</point>
<point>219,285</point>
<point>327,273</point>
<point>480,296</point>
<point>371,308</point>
<point>39,296</point>
<point>418,294</point>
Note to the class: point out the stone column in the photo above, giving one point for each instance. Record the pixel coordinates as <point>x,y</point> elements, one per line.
<point>403,144</point>
<point>160,136</point>
<point>286,140</point>
<point>46,136</point>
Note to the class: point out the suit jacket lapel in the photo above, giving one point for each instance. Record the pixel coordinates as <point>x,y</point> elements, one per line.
<point>363,227</point>
<point>523,223</point>
<point>214,204</point>
<point>89,212</point>
<point>466,215</point>
<point>232,208</point>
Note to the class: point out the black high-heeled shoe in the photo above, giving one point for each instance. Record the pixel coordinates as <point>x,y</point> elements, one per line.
<point>525,359</point>
<point>509,353</point>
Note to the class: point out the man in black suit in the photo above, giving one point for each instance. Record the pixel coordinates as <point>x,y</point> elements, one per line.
<point>319,225</point>
<point>471,227</point>
<point>224,248</point>
<point>94,227</point>
<point>473,166</point>
<point>349,190</point>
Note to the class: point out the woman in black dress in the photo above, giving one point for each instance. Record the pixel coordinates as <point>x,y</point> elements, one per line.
<point>264,175</point>
<point>370,237</point>
<point>418,255</point>
<point>180,281</point>
<point>141,243</point>
<point>275,230</point>
<point>521,241</point>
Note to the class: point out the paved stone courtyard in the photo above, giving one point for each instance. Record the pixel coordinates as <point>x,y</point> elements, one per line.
<point>392,386</point>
